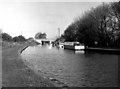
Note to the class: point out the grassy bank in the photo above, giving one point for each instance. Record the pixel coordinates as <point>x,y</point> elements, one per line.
<point>15,73</point>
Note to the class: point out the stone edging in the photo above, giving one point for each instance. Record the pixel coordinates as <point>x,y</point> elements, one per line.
<point>21,50</point>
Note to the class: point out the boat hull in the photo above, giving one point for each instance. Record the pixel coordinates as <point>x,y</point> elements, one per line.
<point>103,50</point>
<point>71,47</point>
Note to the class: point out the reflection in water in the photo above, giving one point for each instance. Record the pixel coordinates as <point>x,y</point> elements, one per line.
<point>80,52</point>
<point>50,47</point>
<point>90,69</point>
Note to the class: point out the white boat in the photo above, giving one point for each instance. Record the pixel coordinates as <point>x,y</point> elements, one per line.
<point>73,46</point>
<point>61,45</point>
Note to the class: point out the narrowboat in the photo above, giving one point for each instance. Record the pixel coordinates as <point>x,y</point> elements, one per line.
<point>74,46</point>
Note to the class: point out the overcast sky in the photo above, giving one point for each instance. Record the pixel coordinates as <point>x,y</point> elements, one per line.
<point>28,18</point>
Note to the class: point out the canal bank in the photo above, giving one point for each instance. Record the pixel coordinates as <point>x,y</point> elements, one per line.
<point>103,50</point>
<point>15,73</point>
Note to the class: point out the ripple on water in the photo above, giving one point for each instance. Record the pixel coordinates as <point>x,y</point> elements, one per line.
<point>91,69</point>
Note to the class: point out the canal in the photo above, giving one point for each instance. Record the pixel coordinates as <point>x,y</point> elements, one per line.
<point>76,69</point>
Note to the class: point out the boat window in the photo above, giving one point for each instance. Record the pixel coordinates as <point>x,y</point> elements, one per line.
<point>76,44</point>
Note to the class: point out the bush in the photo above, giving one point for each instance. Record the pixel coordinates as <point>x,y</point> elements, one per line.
<point>6,37</point>
<point>19,38</point>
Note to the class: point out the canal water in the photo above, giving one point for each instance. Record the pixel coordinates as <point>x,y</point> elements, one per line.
<point>76,69</point>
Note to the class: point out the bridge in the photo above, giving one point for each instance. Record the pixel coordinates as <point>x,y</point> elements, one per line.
<point>44,41</point>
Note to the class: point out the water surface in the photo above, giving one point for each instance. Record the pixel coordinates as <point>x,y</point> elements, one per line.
<point>74,68</point>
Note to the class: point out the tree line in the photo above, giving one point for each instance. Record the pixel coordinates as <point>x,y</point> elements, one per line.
<point>20,38</point>
<point>99,27</point>
<point>7,37</point>
<point>40,35</point>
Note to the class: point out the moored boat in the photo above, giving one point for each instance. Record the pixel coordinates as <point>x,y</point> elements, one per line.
<point>104,50</point>
<point>74,46</point>
<point>61,45</point>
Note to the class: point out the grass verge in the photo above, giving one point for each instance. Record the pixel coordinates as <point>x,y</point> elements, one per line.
<point>15,73</point>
